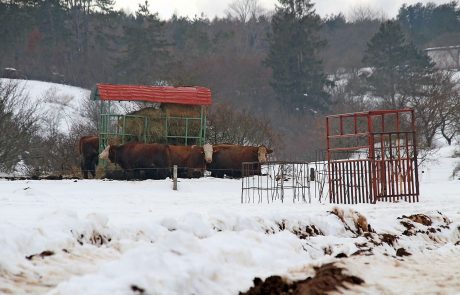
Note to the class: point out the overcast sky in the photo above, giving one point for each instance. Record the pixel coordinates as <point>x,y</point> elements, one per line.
<point>213,8</point>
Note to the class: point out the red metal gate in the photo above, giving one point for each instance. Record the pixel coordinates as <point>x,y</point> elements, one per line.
<point>372,156</point>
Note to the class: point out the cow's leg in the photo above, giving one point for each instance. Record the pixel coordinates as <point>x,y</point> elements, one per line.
<point>162,173</point>
<point>194,173</point>
<point>220,173</point>
<point>84,169</point>
<point>94,163</point>
<point>93,173</point>
<point>136,173</point>
<point>237,173</point>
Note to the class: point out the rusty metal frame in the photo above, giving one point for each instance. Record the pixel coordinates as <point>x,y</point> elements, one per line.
<point>388,171</point>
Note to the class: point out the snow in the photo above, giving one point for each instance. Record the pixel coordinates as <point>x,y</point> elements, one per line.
<point>108,237</point>
<point>59,105</point>
<point>116,237</point>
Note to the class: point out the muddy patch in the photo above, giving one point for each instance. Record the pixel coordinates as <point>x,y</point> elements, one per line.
<point>94,238</point>
<point>302,231</point>
<point>137,289</point>
<point>422,224</point>
<point>41,255</point>
<point>402,252</point>
<point>328,278</point>
<point>307,231</point>
<point>419,218</point>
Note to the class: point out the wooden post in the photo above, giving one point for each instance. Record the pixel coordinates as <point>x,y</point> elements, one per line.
<point>175,177</point>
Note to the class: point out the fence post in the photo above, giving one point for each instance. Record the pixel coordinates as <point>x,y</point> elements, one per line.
<point>175,177</point>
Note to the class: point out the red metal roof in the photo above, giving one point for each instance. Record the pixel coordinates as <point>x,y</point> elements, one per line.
<point>163,94</point>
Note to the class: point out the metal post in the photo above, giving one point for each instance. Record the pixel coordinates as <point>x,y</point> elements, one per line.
<point>186,131</point>
<point>145,129</point>
<point>175,177</point>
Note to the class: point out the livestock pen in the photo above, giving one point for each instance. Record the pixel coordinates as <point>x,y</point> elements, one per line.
<point>369,157</point>
<point>161,114</point>
<point>151,114</point>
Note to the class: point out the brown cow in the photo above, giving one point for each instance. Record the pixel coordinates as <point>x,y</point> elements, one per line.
<point>89,149</point>
<point>143,160</point>
<point>227,160</point>
<point>190,160</point>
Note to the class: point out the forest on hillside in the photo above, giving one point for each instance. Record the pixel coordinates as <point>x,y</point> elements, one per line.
<point>282,70</point>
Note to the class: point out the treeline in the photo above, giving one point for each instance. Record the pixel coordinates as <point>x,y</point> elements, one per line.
<point>287,67</point>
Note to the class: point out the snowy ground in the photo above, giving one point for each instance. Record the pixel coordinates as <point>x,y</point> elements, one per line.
<point>117,237</point>
<point>58,105</point>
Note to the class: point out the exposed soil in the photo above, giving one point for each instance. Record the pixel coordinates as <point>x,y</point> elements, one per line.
<point>389,239</point>
<point>95,238</point>
<point>328,277</point>
<point>41,255</point>
<point>419,218</point>
<point>307,231</point>
<point>402,252</point>
<point>137,290</point>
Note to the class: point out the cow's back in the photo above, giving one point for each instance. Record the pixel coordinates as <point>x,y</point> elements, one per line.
<point>179,155</point>
<point>233,157</point>
<point>88,144</point>
<point>144,155</point>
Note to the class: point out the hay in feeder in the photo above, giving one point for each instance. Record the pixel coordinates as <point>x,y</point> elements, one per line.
<point>154,121</point>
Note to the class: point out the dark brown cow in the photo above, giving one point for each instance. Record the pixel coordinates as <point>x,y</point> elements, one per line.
<point>143,160</point>
<point>227,160</point>
<point>89,149</point>
<point>190,160</point>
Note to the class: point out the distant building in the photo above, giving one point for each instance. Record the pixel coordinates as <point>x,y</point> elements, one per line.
<point>446,57</point>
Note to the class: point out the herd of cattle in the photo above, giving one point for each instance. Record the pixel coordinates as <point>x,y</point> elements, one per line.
<point>155,161</point>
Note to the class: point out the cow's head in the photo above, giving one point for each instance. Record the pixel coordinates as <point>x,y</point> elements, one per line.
<point>262,153</point>
<point>207,148</point>
<point>104,155</point>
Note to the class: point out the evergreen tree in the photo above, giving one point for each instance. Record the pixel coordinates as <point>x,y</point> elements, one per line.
<point>399,69</point>
<point>146,56</point>
<point>424,23</point>
<point>298,77</point>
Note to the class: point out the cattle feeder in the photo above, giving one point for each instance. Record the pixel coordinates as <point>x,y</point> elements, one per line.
<point>160,114</point>
<point>372,156</point>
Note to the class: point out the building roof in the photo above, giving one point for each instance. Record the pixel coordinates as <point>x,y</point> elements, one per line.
<point>195,95</point>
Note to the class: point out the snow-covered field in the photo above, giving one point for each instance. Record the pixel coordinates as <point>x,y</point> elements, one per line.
<point>118,237</point>
<point>58,105</point>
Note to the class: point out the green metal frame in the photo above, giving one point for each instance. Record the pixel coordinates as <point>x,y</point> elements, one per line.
<point>107,128</point>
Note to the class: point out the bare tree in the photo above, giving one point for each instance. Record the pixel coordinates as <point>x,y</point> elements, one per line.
<point>437,109</point>
<point>359,14</point>
<point>228,125</point>
<point>63,158</point>
<point>244,10</point>
<point>18,123</point>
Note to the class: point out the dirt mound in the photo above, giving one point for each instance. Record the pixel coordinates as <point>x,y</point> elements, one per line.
<point>419,218</point>
<point>328,277</point>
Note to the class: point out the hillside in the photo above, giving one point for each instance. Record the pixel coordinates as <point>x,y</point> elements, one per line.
<point>58,104</point>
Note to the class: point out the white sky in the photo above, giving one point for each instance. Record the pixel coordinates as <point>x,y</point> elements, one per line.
<point>212,8</point>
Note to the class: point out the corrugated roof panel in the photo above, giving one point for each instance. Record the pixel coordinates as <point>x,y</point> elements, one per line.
<point>163,94</point>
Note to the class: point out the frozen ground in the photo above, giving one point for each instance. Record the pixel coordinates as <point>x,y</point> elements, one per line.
<point>58,105</point>
<point>117,237</point>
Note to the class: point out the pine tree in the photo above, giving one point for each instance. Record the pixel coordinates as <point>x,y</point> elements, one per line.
<point>298,77</point>
<point>146,56</point>
<point>399,69</point>
<point>425,23</point>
